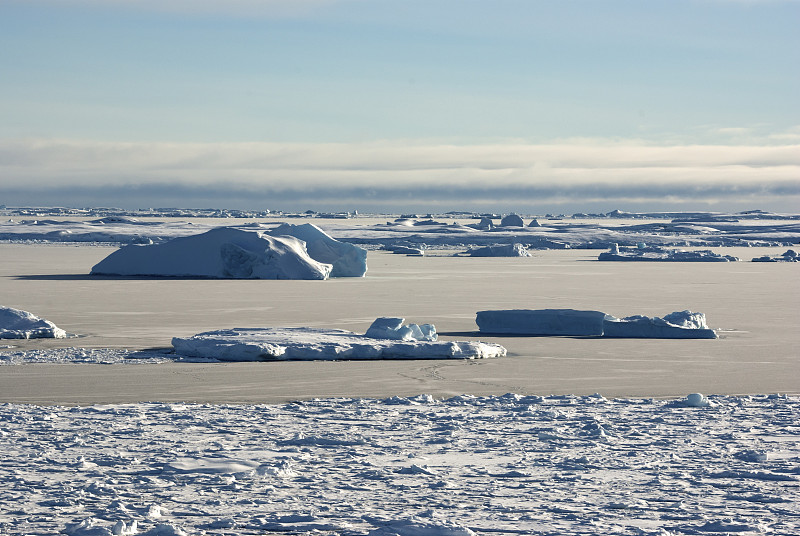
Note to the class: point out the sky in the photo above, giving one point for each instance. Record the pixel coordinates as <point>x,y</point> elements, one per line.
<point>525,106</point>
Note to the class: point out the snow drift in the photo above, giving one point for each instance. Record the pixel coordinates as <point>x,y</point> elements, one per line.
<point>224,253</point>
<point>571,322</point>
<point>16,324</point>
<point>268,344</point>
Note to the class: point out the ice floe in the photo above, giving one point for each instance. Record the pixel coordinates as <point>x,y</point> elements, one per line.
<point>503,250</point>
<point>268,344</point>
<point>411,466</point>
<point>789,255</point>
<point>16,324</point>
<point>218,253</point>
<point>572,322</point>
<point>643,252</point>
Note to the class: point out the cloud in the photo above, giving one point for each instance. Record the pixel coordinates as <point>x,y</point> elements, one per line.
<point>265,8</point>
<point>398,174</point>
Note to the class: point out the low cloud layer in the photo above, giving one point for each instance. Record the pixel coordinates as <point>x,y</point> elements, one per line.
<point>397,176</point>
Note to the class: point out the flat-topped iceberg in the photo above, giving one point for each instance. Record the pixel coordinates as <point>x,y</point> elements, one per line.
<point>572,322</point>
<point>224,253</point>
<point>504,250</point>
<point>283,344</point>
<point>347,260</point>
<point>16,324</point>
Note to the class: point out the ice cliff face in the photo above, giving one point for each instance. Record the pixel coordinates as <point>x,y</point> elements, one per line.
<point>223,253</point>
<point>347,260</point>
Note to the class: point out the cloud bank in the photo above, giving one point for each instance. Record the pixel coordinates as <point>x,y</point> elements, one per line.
<point>400,176</point>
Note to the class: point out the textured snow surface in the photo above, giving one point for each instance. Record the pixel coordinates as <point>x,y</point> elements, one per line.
<point>218,253</point>
<point>405,466</point>
<point>260,344</point>
<point>16,324</point>
<point>572,322</point>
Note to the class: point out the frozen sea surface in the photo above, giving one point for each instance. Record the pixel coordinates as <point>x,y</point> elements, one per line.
<point>405,466</point>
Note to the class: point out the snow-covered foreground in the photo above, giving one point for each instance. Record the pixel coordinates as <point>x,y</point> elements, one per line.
<point>405,466</point>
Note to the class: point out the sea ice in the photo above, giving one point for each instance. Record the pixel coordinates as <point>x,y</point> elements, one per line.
<point>789,255</point>
<point>16,324</point>
<point>268,344</point>
<point>347,260</point>
<point>643,252</point>
<point>393,328</point>
<point>571,322</point>
<point>219,253</point>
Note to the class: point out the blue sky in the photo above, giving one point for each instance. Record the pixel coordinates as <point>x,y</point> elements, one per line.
<point>401,105</point>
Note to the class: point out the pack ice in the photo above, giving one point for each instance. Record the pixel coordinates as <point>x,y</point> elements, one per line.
<point>384,340</point>
<point>572,322</point>
<point>223,252</point>
<point>16,324</point>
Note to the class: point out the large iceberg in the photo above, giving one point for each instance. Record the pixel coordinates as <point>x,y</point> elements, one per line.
<point>283,344</point>
<point>347,260</point>
<point>224,252</point>
<point>572,322</point>
<point>16,324</point>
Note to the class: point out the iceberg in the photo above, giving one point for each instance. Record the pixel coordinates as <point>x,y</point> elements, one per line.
<point>347,260</point>
<point>571,322</point>
<point>789,255</point>
<point>512,220</point>
<point>16,324</point>
<point>224,253</point>
<point>393,328</point>
<point>545,322</point>
<point>304,344</point>
<point>643,252</point>
<point>507,250</point>
<point>678,325</point>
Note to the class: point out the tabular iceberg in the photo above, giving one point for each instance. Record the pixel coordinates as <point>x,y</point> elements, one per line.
<point>571,322</point>
<point>224,253</point>
<point>505,250</point>
<point>16,324</point>
<point>347,260</point>
<point>304,344</point>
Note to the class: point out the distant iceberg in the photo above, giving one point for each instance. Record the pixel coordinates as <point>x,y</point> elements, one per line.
<point>283,344</point>
<point>572,322</point>
<point>223,252</point>
<point>506,250</point>
<point>347,260</point>
<point>659,254</point>
<point>16,324</point>
<point>789,255</point>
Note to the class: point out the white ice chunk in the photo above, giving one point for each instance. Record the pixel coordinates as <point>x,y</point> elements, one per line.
<point>542,322</point>
<point>219,253</point>
<point>678,325</point>
<point>269,344</point>
<point>16,324</point>
<point>347,260</point>
<point>506,250</point>
<point>393,328</point>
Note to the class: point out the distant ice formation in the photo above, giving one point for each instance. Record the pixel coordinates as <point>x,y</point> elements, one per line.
<point>16,324</point>
<point>643,252</point>
<point>506,250</point>
<point>282,344</point>
<point>347,260</point>
<point>571,322</point>
<point>789,255</point>
<point>393,328</point>
<point>512,220</point>
<point>223,252</point>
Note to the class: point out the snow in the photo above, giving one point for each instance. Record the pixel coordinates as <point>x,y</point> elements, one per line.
<point>512,464</point>
<point>268,344</point>
<point>571,322</point>
<point>393,328</point>
<point>16,324</point>
<point>219,253</point>
<point>347,260</point>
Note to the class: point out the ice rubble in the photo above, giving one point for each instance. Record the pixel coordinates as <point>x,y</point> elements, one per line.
<point>347,260</point>
<point>789,255</point>
<point>642,252</point>
<point>572,322</point>
<point>16,324</point>
<point>219,253</point>
<point>505,250</point>
<point>389,340</point>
